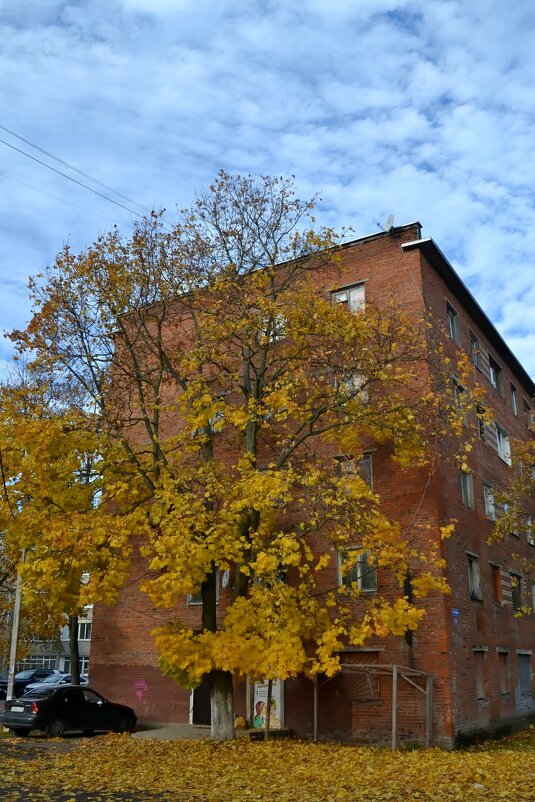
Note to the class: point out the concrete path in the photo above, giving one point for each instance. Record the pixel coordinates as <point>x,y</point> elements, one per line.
<point>173,732</point>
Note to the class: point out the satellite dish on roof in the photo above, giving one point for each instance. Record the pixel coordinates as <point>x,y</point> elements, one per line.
<point>389,223</point>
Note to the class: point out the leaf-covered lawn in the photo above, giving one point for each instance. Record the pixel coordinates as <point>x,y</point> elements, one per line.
<point>282,771</point>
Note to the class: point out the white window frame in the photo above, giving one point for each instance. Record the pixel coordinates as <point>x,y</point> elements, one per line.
<point>502,443</point>
<point>467,489</point>
<point>359,573</point>
<point>529,528</point>
<point>84,630</point>
<point>453,323</point>
<point>488,498</point>
<point>474,577</point>
<point>353,297</point>
<point>514,399</point>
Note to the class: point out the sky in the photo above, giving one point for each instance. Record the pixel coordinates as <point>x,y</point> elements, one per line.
<point>420,109</point>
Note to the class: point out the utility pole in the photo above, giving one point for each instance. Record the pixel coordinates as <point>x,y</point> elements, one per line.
<point>14,636</point>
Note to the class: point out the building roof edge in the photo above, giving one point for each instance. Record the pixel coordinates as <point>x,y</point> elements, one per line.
<point>443,267</point>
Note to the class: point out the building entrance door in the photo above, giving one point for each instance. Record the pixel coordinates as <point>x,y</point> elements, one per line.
<point>201,703</point>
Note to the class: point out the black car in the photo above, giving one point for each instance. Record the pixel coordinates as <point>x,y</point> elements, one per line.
<point>24,678</point>
<point>69,707</point>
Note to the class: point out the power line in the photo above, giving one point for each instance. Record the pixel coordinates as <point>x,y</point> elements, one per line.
<point>74,180</point>
<point>56,197</point>
<point>76,169</point>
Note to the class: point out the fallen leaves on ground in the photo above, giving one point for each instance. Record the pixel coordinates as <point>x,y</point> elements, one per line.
<point>285,771</point>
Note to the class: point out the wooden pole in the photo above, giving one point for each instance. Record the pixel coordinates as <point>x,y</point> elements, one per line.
<point>316,712</point>
<point>394,708</point>
<point>429,709</point>
<point>268,709</point>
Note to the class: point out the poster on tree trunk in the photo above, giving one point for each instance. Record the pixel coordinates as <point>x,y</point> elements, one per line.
<point>260,705</point>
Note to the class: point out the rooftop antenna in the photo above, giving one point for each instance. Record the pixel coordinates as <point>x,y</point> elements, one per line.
<point>389,223</point>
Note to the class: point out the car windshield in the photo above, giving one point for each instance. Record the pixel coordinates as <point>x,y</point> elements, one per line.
<point>24,674</point>
<point>39,693</point>
<point>53,678</point>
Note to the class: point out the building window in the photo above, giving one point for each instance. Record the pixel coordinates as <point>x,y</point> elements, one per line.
<point>517,591</point>
<point>353,385</point>
<point>524,673</point>
<point>479,659</point>
<point>457,392</point>
<point>195,599</point>
<point>488,497</point>
<point>363,571</point>
<point>495,375</point>
<point>480,412</point>
<point>530,419</point>
<point>348,466</point>
<point>453,324</point>
<point>83,665</point>
<point>352,297</point>
<point>84,630</point>
<point>37,661</point>
<point>467,489</point>
<point>496,576</point>
<point>503,444</point>
<point>474,580</point>
<point>475,352</point>
<point>503,662</point>
<point>514,399</point>
<point>529,529</point>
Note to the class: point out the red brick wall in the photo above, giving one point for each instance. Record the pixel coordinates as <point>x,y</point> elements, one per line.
<point>123,658</point>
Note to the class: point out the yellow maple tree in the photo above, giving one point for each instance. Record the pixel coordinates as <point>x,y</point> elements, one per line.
<point>234,404</point>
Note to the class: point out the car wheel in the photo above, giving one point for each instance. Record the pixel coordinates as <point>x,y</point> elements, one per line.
<point>56,728</point>
<point>21,732</point>
<point>123,725</point>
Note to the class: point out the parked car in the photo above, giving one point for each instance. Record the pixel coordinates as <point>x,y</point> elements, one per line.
<point>57,710</point>
<point>55,680</point>
<point>23,678</point>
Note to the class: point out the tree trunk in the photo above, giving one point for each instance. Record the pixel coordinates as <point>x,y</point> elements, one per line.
<point>221,705</point>
<point>74,652</point>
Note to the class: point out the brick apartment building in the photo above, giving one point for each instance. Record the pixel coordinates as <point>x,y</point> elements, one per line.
<point>469,666</point>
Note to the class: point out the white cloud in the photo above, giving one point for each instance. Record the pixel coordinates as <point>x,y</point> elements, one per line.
<point>422,109</point>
